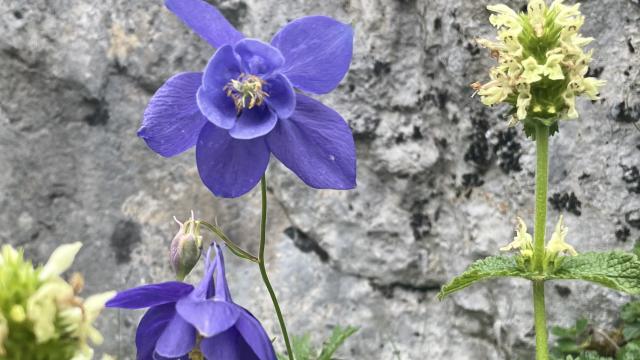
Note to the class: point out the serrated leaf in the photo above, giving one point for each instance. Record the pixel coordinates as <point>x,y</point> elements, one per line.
<point>616,270</point>
<point>487,268</point>
<point>338,337</point>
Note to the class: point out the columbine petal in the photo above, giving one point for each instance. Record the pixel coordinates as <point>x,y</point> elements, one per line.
<point>208,316</point>
<point>230,167</point>
<point>228,345</point>
<point>317,145</point>
<point>150,295</point>
<point>253,123</point>
<point>150,328</point>
<point>221,287</point>
<point>317,52</point>
<point>221,68</point>
<point>257,57</point>
<point>217,107</point>
<point>172,120</point>
<point>206,21</point>
<point>177,339</point>
<point>255,336</point>
<point>282,98</point>
<point>205,287</point>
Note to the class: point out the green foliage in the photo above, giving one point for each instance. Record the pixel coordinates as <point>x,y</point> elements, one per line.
<point>615,269</point>
<point>304,350</point>
<point>487,268</point>
<point>585,341</point>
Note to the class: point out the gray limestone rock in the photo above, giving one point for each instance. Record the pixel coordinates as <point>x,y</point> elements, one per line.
<point>440,177</point>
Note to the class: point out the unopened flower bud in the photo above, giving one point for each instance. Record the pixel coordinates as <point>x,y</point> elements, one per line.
<point>186,248</point>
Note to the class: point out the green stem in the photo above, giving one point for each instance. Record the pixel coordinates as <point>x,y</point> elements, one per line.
<point>542,182</point>
<point>263,269</point>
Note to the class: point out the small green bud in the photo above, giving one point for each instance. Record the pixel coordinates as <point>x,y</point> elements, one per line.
<point>186,248</point>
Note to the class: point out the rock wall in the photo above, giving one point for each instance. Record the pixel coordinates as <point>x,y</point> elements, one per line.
<point>440,177</point>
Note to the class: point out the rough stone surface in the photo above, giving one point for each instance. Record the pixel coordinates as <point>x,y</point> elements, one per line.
<point>440,177</point>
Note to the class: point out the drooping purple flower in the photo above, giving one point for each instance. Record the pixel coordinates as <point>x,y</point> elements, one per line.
<point>244,106</point>
<point>178,313</point>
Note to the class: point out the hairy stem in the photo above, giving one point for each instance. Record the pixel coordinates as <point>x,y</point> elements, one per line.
<point>263,269</point>
<point>542,181</point>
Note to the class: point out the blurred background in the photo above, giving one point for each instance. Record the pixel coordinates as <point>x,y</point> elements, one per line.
<point>440,177</point>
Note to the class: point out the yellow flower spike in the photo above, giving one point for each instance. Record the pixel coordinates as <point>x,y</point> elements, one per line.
<point>493,94</point>
<point>523,241</point>
<point>592,87</point>
<point>17,313</point>
<point>532,70</point>
<point>552,68</point>
<point>504,17</point>
<point>570,100</point>
<point>536,11</point>
<point>523,102</point>
<point>42,308</point>
<point>557,244</point>
<point>60,260</point>
<point>92,307</point>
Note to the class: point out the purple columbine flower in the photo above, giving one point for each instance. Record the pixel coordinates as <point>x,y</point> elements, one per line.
<point>244,106</point>
<point>179,315</point>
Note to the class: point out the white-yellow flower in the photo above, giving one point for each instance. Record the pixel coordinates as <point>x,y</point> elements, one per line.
<point>523,241</point>
<point>557,244</point>
<point>60,260</point>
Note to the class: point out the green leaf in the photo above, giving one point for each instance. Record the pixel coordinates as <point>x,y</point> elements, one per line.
<point>616,270</point>
<point>487,268</point>
<point>631,351</point>
<point>338,337</point>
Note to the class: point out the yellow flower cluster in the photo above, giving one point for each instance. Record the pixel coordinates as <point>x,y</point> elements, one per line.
<point>542,66</point>
<point>523,242</point>
<point>38,302</point>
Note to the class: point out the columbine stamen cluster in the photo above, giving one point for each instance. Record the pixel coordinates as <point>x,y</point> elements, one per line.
<point>246,87</point>
<point>542,66</point>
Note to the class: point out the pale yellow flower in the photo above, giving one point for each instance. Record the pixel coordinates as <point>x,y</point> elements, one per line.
<point>557,244</point>
<point>60,260</point>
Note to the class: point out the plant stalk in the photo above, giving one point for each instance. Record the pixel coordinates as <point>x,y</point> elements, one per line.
<point>263,269</point>
<point>542,182</point>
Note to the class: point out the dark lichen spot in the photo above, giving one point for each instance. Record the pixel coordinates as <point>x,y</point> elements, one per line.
<point>472,48</point>
<point>381,68</point>
<point>352,88</point>
<point>17,14</point>
<point>631,48</point>
<point>633,218</point>
<point>595,71</point>
<point>508,151</point>
<point>400,139</point>
<point>566,202</point>
<point>306,243</point>
<point>443,97</point>
<point>625,114</point>
<point>420,222</point>
<point>584,176</point>
<point>563,291</point>
<point>479,153</point>
<point>125,235</point>
<point>622,234</point>
<point>417,134</point>
<point>437,24</point>
<point>99,115</point>
<point>472,180</point>
<point>631,176</point>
